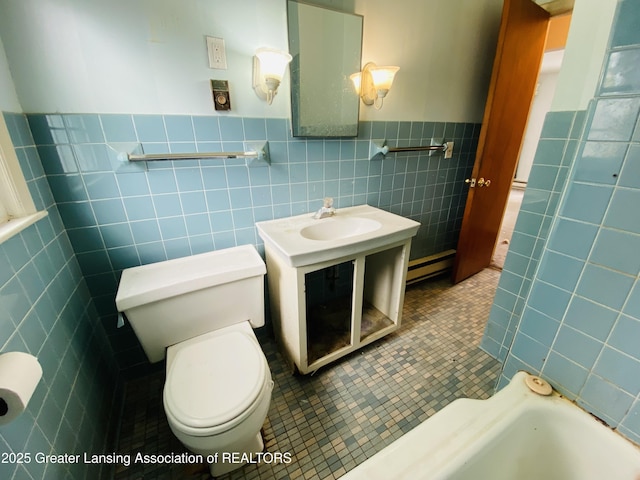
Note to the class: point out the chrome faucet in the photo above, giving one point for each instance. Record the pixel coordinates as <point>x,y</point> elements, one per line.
<point>327,209</point>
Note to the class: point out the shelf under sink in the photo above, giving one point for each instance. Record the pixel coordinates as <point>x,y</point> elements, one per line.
<point>329,327</point>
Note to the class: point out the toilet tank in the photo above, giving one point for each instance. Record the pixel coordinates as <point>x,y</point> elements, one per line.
<point>172,301</point>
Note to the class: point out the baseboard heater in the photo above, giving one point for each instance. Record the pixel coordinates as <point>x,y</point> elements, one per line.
<point>427,267</point>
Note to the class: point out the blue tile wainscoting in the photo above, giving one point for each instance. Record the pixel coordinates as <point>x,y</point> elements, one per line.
<point>568,303</point>
<point>47,311</point>
<point>119,215</point>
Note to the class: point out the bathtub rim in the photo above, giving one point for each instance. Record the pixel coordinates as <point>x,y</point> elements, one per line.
<point>441,446</point>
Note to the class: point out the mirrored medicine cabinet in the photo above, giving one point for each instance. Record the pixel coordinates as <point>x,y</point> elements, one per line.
<point>326,46</point>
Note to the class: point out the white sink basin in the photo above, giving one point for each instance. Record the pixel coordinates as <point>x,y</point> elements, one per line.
<point>303,240</point>
<point>334,228</point>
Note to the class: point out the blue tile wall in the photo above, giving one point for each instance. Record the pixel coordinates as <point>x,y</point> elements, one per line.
<point>578,325</point>
<point>556,150</point>
<point>46,310</point>
<point>120,215</point>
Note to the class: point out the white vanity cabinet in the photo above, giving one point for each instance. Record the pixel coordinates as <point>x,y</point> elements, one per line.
<point>333,296</point>
<point>368,303</point>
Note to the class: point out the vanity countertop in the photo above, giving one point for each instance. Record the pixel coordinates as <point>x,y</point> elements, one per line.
<point>303,240</point>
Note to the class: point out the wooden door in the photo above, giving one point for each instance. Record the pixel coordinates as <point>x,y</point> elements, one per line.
<point>521,41</point>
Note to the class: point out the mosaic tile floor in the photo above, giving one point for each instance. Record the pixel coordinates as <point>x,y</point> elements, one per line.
<point>346,412</point>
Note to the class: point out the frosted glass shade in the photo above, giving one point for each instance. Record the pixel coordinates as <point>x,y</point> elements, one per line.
<point>383,77</point>
<point>273,62</point>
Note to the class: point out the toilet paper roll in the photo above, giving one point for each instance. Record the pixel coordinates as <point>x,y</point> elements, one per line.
<point>19,376</point>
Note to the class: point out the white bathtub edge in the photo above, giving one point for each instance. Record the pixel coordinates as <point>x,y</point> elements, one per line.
<point>440,445</point>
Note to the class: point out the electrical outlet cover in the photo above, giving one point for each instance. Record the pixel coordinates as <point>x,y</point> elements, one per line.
<point>216,53</point>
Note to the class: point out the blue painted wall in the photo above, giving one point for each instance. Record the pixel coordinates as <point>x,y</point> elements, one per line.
<point>47,311</point>
<point>121,215</point>
<point>568,303</point>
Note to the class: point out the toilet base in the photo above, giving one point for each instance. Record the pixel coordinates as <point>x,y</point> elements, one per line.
<point>250,449</point>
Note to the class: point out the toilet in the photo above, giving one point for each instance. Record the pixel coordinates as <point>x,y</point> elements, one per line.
<point>199,313</point>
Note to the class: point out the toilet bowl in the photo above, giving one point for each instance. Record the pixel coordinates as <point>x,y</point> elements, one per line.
<point>199,312</point>
<point>221,405</point>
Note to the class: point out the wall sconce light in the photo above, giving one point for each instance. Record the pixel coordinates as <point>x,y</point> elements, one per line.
<point>373,83</point>
<point>268,69</point>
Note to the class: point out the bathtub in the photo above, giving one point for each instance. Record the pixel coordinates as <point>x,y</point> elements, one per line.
<point>514,435</point>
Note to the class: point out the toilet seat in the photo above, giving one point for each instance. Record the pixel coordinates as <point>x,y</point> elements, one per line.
<point>214,381</point>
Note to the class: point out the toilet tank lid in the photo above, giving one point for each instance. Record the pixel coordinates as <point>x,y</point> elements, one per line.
<point>156,281</point>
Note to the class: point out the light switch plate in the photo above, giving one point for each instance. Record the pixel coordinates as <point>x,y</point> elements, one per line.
<point>216,52</point>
